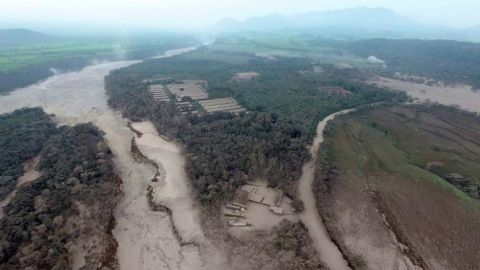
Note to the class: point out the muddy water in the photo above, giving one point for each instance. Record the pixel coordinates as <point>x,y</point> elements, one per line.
<point>144,237</point>
<point>329,252</point>
<point>462,95</point>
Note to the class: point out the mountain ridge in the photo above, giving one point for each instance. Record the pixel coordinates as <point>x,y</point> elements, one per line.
<point>21,36</point>
<point>351,23</point>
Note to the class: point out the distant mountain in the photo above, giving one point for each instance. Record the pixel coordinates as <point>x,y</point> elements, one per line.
<point>270,22</point>
<point>16,37</point>
<point>470,33</point>
<point>352,23</point>
<point>359,18</point>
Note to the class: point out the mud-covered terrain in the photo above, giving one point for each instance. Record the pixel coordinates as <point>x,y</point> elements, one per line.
<point>398,187</point>
<point>80,97</point>
<point>225,151</point>
<point>462,96</point>
<point>169,194</point>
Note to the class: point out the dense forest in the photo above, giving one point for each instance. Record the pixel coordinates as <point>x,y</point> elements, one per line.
<point>442,60</point>
<point>223,150</point>
<point>60,212</point>
<point>22,135</point>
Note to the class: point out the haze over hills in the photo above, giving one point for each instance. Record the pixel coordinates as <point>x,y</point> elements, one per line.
<point>19,36</point>
<point>354,23</point>
<point>308,137</point>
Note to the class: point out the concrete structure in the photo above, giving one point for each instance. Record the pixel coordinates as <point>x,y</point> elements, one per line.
<point>221,105</point>
<point>257,198</point>
<point>245,76</point>
<point>233,213</point>
<point>266,196</point>
<point>269,199</point>
<point>240,205</point>
<point>194,89</point>
<point>201,83</point>
<point>157,80</point>
<point>236,207</point>
<point>261,208</point>
<point>249,188</point>
<point>335,90</point>
<point>186,107</point>
<point>158,93</point>
<point>277,210</point>
<point>233,223</point>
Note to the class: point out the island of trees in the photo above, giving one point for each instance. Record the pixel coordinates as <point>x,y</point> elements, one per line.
<point>59,212</point>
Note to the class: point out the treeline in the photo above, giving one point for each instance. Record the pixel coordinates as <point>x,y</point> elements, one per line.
<point>70,205</point>
<point>223,150</point>
<point>22,135</point>
<point>442,60</point>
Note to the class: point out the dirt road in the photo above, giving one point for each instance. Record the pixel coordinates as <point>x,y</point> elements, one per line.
<point>329,252</point>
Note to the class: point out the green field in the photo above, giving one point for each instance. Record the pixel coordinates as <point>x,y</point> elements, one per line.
<point>222,56</point>
<point>23,65</point>
<point>291,45</point>
<point>14,58</point>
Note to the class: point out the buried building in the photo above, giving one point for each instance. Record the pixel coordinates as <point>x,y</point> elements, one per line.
<point>222,105</point>
<point>257,206</point>
<point>192,89</point>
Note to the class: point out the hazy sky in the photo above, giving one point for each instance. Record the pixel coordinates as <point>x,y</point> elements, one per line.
<point>199,13</point>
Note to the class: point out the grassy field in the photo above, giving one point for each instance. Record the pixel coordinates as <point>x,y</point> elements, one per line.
<point>389,166</point>
<point>225,57</point>
<point>13,58</point>
<point>24,65</point>
<point>290,45</point>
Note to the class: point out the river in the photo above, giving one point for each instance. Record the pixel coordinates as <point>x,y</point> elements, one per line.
<point>145,238</point>
<point>329,252</point>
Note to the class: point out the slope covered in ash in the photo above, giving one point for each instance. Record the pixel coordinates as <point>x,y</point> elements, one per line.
<point>399,186</point>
